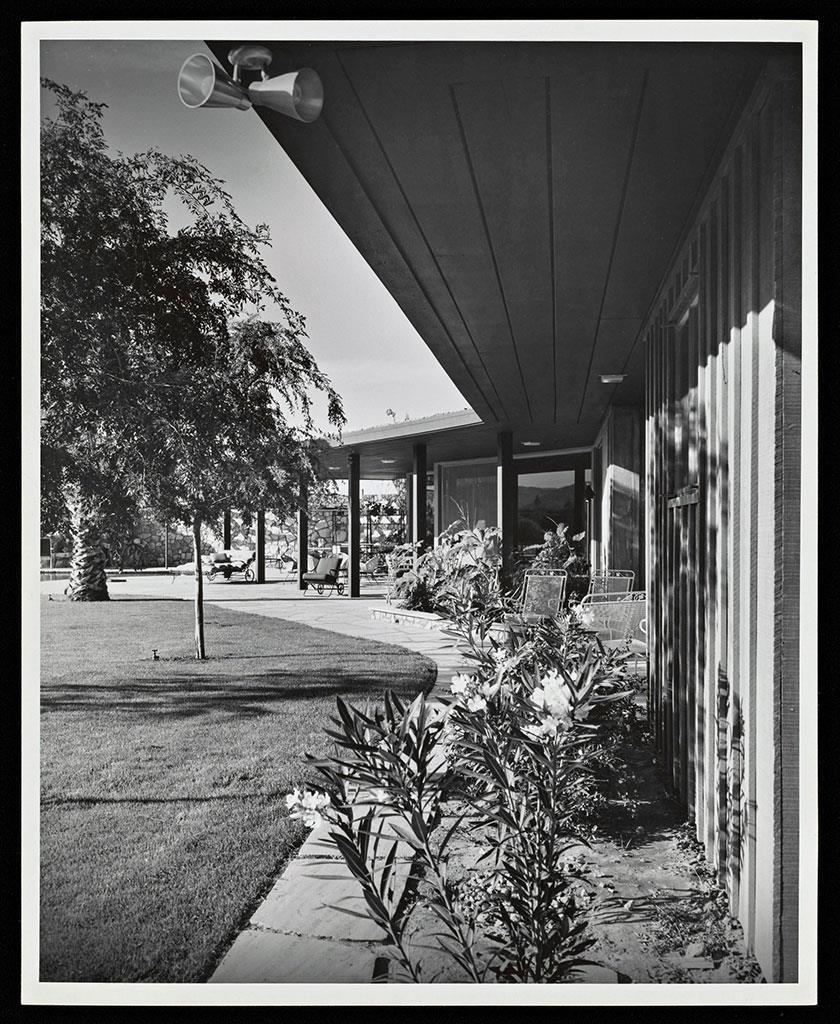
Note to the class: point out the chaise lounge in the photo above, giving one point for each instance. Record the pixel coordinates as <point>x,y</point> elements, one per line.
<point>325,575</point>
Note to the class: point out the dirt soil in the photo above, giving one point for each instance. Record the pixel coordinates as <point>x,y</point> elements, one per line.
<point>660,914</point>
<point>655,908</point>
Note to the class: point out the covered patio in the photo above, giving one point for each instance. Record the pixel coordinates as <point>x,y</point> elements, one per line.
<point>599,242</point>
<point>523,207</point>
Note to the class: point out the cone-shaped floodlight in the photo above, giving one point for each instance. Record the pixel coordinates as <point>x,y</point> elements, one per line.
<point>298,94</point>
<point>201,83</point>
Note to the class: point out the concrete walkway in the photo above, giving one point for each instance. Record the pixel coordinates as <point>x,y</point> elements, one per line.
<point>350,617</point>
<point>313,926</point>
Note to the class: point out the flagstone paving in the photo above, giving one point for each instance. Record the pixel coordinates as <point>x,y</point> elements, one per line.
<point>313,925</point>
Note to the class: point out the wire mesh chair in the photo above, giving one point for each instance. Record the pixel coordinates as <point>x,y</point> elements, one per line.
<point>616,617</point>
<point>611,581</point>
<point>542,595</point>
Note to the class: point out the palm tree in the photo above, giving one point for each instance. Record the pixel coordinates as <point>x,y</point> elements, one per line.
<point>87,566</point>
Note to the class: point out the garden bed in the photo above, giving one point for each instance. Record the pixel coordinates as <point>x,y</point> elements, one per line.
<point>408,616</point>
<point>426,620</point>
<point>546,846</point>
<point>657,912</point>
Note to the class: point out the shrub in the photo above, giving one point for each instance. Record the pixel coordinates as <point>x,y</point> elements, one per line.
<point>417,594</point>
<point>559,551</point>
<point>385,761</point>
<point>463,568</point>
<point>519,744</point>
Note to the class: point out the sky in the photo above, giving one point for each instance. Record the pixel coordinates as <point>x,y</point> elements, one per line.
<point>357,333</point>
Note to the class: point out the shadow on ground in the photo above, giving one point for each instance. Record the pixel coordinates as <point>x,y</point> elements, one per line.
<point>183,696</point>
<point>101,657</point>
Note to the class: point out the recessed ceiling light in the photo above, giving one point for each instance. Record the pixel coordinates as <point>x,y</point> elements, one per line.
<point>612,378</point>
<point>333,467</point>
<point>531,444</point>
<point>387,462</point>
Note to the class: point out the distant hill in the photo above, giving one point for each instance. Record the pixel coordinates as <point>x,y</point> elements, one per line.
<point>541,508</point>
<point>549,497</point>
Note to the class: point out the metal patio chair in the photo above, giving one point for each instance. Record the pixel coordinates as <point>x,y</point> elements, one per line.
<point>325,576</point>
<point>543,591</point>
<point>374,568</point>
<point>617,618</point>
<point>611,581</point>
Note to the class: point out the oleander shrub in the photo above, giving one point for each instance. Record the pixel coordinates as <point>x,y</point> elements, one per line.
<point>514,753</point>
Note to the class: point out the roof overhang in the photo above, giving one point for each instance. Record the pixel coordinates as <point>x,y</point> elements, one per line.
<point>412,430</point>
<point>386,452</point>
<point>521,201</point>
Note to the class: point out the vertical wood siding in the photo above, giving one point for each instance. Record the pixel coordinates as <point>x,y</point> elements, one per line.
<point>722,494</point>
<point>787,274</point>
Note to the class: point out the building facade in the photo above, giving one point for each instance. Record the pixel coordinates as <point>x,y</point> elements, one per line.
<point>723,443</point>
<point>601,243</point>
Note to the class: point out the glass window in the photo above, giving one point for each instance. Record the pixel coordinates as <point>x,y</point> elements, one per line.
<point>544,500</point>
<point>468,493</point>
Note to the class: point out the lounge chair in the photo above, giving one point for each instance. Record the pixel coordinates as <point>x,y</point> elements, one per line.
<point>373,568</point>
<point>325,575</point>
<point>229,563</point>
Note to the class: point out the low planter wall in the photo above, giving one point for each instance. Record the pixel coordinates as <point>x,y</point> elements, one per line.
<point>426,620</point>
<point>423,620</point>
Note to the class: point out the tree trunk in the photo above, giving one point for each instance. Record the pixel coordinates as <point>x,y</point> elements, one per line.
<point>200,653</point>
<point>87,566</point>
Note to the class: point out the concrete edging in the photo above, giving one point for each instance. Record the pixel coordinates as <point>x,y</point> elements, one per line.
<point>425,620</point>
<point>409,617</point>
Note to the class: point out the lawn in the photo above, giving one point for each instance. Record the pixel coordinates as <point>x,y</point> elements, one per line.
<point>162,819</point>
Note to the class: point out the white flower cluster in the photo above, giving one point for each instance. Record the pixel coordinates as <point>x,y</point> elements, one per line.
<point>585,614</point>
<point>473,693</point>
<point>307,806</point>
<point>501,657</point>
<point>554,699</point>
<point>505,663</point>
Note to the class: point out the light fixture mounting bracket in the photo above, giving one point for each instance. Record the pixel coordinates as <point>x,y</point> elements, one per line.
<point>250,57</point>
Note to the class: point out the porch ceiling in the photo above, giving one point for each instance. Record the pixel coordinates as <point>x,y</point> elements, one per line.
<point>520,201</point>
<point>387,457</point>
<point>387,452</point>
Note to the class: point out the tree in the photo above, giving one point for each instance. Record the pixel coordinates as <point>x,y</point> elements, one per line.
<point>160,380</point>
<point>400,497</point>
<point>98,506</point>
<point>324,494</point>
<point>222,437</point>
<point>95,224</point>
